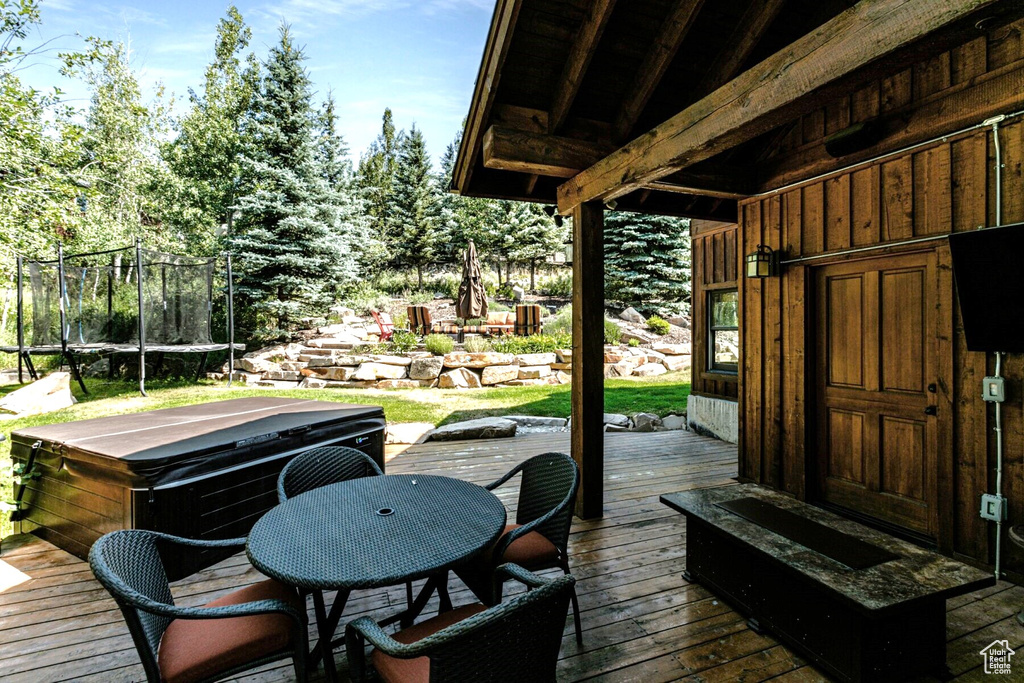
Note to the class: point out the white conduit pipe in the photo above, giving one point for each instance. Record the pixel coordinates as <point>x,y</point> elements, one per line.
<point>994,122</point>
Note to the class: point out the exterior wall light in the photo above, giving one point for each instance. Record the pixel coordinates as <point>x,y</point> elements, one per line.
<point>762,263</point>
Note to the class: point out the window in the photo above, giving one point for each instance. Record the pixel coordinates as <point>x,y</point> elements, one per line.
<point>723,330</point>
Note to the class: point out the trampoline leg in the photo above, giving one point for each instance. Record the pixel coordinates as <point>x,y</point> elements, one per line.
<point>76,373</point>
<point>202,366</point>
<point>30,367</point>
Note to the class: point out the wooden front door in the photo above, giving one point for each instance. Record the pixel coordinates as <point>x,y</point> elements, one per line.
<point>876,374</point>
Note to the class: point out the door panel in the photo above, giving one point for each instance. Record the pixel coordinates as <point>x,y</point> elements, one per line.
<point>876,332</point>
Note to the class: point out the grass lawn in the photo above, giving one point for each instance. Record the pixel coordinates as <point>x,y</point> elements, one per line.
<point>659,395</point>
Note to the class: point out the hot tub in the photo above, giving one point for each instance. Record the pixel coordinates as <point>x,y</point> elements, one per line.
<point>202,471</point>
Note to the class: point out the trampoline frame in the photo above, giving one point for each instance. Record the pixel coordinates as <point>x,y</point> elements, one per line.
<point>67,350</point>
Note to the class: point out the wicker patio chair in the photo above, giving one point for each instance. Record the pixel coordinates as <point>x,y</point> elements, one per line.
<point>322,466</point>
<point>540,536</point>
<point>515,641</point>
<point>250,627</point>
<point>528,318</point>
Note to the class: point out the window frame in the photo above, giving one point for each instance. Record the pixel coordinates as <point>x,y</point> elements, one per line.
<point>712,329</point>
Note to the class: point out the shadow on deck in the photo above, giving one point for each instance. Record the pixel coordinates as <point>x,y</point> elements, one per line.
<point>642,621</point>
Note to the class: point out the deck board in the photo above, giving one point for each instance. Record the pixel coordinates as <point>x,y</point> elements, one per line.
<point>642,621</point>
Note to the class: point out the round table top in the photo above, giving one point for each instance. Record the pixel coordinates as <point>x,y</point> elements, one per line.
<point>374,531</point>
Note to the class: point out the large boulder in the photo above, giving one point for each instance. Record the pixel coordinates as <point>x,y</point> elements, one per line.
<point>45,395</point>
<point>407,432</point>
<point>676,363</point>
<point>633,316</point>
<point>341,373</point>
<point>672,349</point>
<point>461,359</point>
<point>459,378</point>
<point>496,374</point>
<point>534,371</point>
<point>534,421</point>
<point>312,383</point>
<point>482,428</point>
<point>616,419</point>
<point>370,371</point>
<point>392,360</point>
<point>426,368</point>
<point>537,359</point>
<point>650,370</point>
<point>402,384</point>
<point>645,422</point>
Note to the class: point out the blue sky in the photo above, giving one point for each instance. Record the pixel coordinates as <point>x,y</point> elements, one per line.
<point>419,57</point>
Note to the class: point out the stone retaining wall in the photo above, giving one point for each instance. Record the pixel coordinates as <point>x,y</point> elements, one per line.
<point>321,363</point>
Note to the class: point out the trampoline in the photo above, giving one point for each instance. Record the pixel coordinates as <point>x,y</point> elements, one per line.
<point>120,301</point>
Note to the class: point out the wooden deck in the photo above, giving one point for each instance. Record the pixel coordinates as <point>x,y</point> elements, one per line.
<point>642,621</point>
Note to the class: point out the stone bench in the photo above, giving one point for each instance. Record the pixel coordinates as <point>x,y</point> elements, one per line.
<point>858,603</point>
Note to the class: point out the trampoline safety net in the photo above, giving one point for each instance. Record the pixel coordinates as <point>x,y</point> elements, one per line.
<point>101,299</point>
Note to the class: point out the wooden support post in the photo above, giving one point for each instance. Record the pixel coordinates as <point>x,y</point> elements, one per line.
<point>588,356</point>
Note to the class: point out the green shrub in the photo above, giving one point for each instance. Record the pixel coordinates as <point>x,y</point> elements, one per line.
<point>477,345</point>
<point>402,342</point>
<point>365,297</point>
<point>445,285</point>
<point>392,282</point>
<point>612,332</point>
<point>538,343</point>
<point>496,307</point>
<point>400,320</point>
<point>557,285</point>
<point>634,342</point>
<point>439,344</point>
<point>658,325</point>
<point>561,322</point>
<point>423,297</point>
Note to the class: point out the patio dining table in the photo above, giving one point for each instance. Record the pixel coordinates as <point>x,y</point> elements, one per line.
<point>374,532</point>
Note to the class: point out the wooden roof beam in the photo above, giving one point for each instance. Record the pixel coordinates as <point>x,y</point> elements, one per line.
<point>503,22</point>
<point>583,49</point>
<point>659,56</point>
<point>872,38</point>
<point>506,149</point>
<point>745,37</point>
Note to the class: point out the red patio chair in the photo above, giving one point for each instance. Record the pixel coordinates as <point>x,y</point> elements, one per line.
<point>383,320</point>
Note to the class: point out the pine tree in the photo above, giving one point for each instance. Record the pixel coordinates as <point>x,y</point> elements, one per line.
<point>647,258</point>
<point>342,210</point>
<point>287,255</point>
<point>415,201</point>
<point>376,179</point>
<point>204,161</point>
<point>450,209</point>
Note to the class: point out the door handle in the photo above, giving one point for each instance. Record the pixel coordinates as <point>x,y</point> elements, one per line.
<point>931,410</point>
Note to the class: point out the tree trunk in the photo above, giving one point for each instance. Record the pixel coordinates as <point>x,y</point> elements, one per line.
<point>533,275</point>
<point>419,277</point>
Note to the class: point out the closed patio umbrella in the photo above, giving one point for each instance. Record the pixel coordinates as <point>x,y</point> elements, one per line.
<point>472,301</point>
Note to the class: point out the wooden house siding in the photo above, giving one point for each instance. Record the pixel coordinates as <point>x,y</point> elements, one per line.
<point>715,265</point>
<point>944,187</point>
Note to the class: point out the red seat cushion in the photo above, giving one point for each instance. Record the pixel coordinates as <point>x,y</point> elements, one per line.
<point>417,670</point>
<point>531,550</point>
<point>194,649</point>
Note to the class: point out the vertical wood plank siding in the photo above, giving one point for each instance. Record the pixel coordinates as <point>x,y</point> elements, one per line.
<point>946,187</point>
<point>714,263</point>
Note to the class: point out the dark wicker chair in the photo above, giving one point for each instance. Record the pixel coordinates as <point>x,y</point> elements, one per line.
<point>322,466</point>
<point>253,626</point>
<point>515,641</point>
<point>539,538</point>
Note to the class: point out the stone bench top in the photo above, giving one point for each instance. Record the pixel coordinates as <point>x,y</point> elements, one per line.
<point>916,574</point>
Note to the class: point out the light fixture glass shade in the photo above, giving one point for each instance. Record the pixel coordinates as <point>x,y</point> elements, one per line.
<point>761,263</point>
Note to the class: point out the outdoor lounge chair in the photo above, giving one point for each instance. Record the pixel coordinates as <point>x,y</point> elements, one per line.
<point>528,319</point>
<point>383,320</point>
<point>252,626</point>
<point>540,536</point>
<point>420,321</point>
<point>516,641</point>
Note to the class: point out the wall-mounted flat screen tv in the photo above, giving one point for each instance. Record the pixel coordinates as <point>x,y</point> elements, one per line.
<point>988,268</point>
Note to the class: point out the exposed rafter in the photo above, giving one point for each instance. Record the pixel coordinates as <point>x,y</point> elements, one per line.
<point>745,37</point>
<point>507,149</point>
<point>583,48</point>
<point>659,56</point>
<point>871,38</point>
